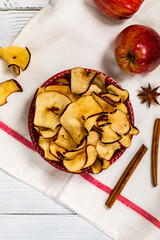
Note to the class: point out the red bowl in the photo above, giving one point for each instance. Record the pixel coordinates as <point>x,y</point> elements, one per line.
<point>34,135</point>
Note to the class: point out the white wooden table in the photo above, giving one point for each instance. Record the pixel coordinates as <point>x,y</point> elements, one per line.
<point>24,212</point>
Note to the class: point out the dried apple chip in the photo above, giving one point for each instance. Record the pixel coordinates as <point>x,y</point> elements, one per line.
<point>112,97</point>
<point>106,106</point>
<point>16,56</point>
<point>92,88</point>
<point>97,166</point>
<point>91,154</point>
<point>119,122</point>
<point>62,80</point>
<point>46,133</point>
<point>106,151</point>
<point>65,140</point>
<point>133,130</point>
<point>92,138</point>
<point>108,135</point>
<point>123,94</point>
<point>122,107</point>
<point>64,89</point>
<point>15,68</point>
<point>90,122</point>
<point>75,164</point>
<point>44,144</point>
<point>105,164</point>
<point>8,87</point>
<point>126,140</point>
<point>69,155</point>
<point>81,80</point>
<point>40,90</point>
<point>99,81</point>
<point>48,108</point>
<point>56,150</point>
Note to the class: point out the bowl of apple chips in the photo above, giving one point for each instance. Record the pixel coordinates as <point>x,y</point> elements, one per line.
<point>81,121</point>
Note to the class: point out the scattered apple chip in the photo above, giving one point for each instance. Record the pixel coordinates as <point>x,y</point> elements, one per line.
<point>92,138</point>
<point>44,144</point>
<point>65,140</point>
<point>99,81</point>
<point>56,150</point>
<point>119,122</point>
<point>106,151</point>
<point>75,164</point>
<point>81,80</point>
<point>8,87</point>
<point>97,166</point>
<point>106,107</point>
<point>91,154</point>
<point>16,56</point>
<point>48,108</point>
<point>75,115</point>
<point>123,94</point>
<point>46,133</point>
<point>108,135</point>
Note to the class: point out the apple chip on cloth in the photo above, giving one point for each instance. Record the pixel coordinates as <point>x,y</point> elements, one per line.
<point>82,36</point>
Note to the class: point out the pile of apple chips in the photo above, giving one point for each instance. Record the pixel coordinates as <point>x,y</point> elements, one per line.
<point>82,121</point>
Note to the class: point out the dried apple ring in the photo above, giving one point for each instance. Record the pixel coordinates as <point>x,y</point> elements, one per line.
<point>8,87</point>
<point>16,57</point>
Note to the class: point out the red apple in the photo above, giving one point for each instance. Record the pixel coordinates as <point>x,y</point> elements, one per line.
<point>119,9</point>
<point>137,49</point>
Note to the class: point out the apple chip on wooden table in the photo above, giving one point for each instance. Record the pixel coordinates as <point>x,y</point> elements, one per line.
<point>80,120</point>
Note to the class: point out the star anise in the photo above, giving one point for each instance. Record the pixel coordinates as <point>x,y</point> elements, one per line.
<point>149,95</point>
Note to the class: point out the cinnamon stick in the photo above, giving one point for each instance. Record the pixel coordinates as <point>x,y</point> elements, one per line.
<point>126,176</point>
<point>155,145</point>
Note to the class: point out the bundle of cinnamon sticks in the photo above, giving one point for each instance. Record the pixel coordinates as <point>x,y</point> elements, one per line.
<point>134,163</point>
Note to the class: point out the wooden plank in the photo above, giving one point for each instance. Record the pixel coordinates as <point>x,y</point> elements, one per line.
<point>48,227</point>
<point>17,197</point>
<point>22,4</point>
<point>11,23</point>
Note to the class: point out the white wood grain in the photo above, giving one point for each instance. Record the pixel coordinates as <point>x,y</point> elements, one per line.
<point>17,197</point>
<point>22,4</point>
<point>47,228</point>
<point>11,23</point>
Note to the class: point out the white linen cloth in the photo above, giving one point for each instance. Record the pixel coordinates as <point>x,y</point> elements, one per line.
<point>63,35</point>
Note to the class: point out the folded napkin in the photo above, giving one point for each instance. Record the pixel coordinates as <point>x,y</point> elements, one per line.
<point>63,35</point>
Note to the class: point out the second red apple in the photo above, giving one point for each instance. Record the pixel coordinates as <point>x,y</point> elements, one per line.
<point>119,9</point>
<point>137,49</point>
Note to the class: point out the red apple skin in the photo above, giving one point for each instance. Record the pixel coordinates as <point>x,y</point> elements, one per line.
<point>119,9</point>
<point>137,49</point>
